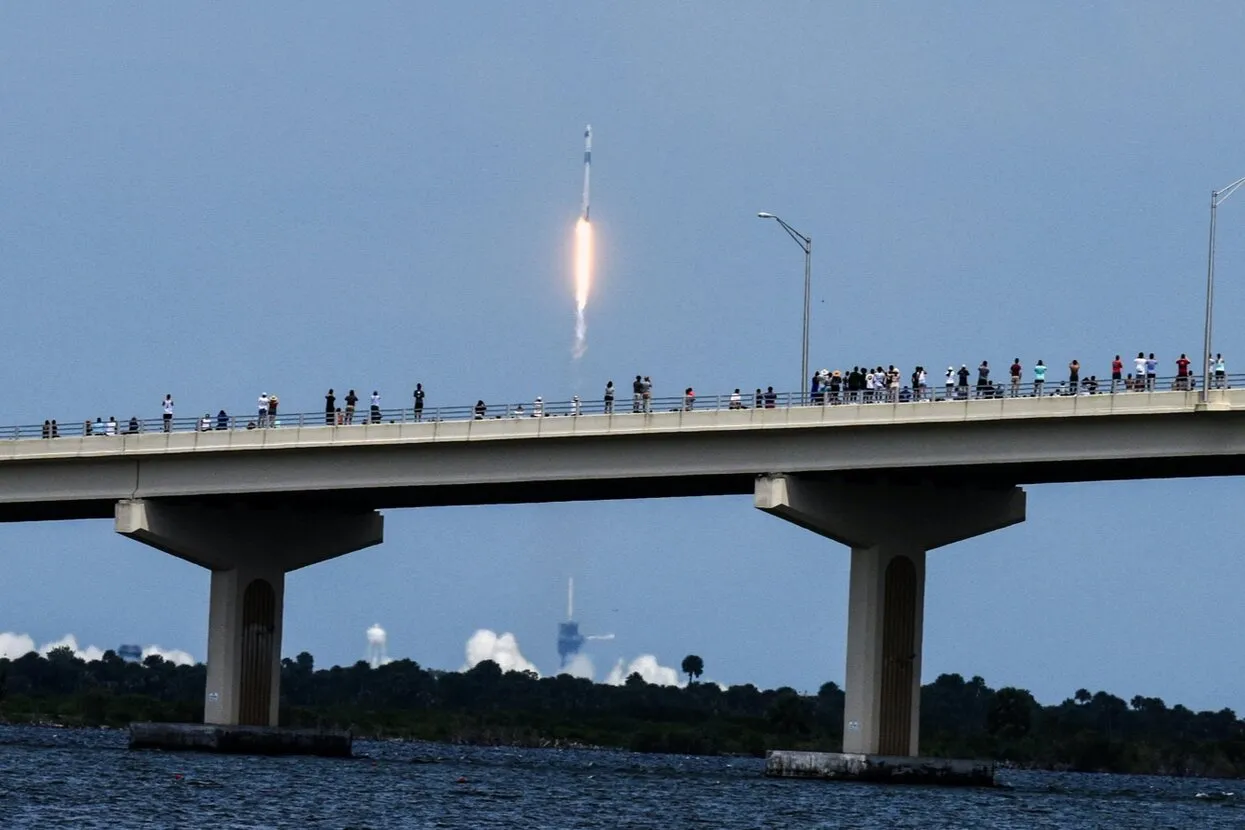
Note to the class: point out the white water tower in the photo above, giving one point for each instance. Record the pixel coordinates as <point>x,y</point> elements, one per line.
<point>376,641</point>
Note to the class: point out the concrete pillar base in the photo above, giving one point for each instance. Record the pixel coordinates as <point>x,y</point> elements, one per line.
<point>249,552</point>
<point>879,769</point>
<point>889,529</point>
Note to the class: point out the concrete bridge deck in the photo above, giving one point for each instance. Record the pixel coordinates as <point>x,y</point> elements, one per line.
<point>986,442</point>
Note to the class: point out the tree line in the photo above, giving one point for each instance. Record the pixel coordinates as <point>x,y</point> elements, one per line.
<point>959,718</point>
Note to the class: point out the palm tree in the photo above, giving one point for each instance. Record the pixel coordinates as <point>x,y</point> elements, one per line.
<point>693,667</point>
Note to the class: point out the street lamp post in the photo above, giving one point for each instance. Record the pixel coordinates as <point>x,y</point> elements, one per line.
<point>806,243</point>
<point>1217,198</point>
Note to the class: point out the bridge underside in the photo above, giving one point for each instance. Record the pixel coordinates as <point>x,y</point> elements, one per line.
<point>986,476</point>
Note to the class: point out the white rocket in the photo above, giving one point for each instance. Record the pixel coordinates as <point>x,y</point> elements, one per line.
<point>587,166</point>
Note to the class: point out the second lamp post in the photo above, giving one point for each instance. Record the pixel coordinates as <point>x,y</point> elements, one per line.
<point>806,243</point>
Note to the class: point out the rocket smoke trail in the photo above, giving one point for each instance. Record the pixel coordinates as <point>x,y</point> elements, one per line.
<point>583,254</point>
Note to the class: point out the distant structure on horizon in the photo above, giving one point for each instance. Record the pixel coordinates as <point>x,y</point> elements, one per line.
<point>130,654</point>
<point>570,641</point>
<point>377,640</point>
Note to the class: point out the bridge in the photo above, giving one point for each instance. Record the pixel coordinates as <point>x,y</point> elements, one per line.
<point>891,480</point>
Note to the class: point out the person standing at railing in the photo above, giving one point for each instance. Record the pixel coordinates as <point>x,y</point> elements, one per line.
<point>352,400</point>
<point>962,382</point>
<point>330,406</point>
<point>47,429</point>
<point>758,400</point>
<point>736,400</point>
<point>1015,372</point>
<point>168,413</point>
<point>375,407</point>
<point>771,397</point>
<point>647,393</point>
<point>1117,369</point>
<point>273,400</point>
<point>110,428</point>
<point>1074,376</point>
<point>983,379</point>
<point>637,394</point>
<point>949,382</point>
<point>419,402</point>
<point>576,409</point>
<point>1220,372</point>
<point>538,407</point>
<point>262,410</point>
<point>922,384</point>
<point>689,399</point>
<point>222,420</point>
<point>609,398</point>
<point>1139,369</point>
<point>1039,378</point>
<point>1152,372</point>
<point>132,429</point>
<point>479,411</point>
<point>1182,373</point>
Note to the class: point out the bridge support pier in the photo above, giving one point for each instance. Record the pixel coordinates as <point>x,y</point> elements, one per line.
<point>248,551</point>
<point>889,529</point>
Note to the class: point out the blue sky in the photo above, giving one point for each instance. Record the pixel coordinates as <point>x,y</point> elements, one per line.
<point>223,200</point>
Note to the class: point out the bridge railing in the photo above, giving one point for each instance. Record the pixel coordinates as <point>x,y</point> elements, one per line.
<point>623,404</point>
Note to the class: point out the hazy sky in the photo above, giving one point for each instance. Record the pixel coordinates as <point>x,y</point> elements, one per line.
<point>221,200</point>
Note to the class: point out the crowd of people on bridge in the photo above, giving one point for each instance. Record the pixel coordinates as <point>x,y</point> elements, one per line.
<point>860,384</point>
<point>878,385</point>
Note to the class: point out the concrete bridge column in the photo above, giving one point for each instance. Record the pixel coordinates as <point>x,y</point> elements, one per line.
<point>889,528</point>
<point>249,552</point>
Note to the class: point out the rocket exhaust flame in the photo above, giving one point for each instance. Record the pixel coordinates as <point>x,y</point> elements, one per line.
<point>583,255</point>
<point>583,282</point>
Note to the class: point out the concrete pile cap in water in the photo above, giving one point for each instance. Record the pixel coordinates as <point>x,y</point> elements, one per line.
<point>881,769</point>
<point>242,740</point>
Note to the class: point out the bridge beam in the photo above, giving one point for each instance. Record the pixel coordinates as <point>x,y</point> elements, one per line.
<point>248,552</point>
<point>889,529</point>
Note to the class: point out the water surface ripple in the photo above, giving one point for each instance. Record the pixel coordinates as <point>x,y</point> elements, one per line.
<point>54,778</point>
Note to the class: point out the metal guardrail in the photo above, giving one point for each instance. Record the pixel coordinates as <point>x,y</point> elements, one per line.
<point>622,405</point>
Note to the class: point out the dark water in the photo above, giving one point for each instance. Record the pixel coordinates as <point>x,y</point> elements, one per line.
<point>60,778</point>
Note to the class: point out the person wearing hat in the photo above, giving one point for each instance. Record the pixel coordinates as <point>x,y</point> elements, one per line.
<point>950,381</point>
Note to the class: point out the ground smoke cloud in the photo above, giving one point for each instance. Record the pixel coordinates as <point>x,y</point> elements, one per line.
<point>646,666</point>
<point>580,666</point>
<point>502,649</point>
<point>14,646</point>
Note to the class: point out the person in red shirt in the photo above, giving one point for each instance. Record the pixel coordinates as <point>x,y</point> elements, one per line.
<point>1117,368</point>
<point>1015,372</point>
<point>1182,373</point>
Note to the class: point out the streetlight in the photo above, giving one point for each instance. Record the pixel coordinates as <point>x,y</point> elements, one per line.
<point>1217,198</point>
<point>806,243</point>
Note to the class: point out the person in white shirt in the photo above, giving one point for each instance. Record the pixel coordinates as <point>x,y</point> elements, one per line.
<point>375,407</point>
<point>1139,366</point>
<point>950,381</point>
<point>205,423</point>
<point>110,428</point>
<point>168,413</point>
<point>575,407</point>
<point>263,410</point>
<point>538,407</point>
<point>736,400</point>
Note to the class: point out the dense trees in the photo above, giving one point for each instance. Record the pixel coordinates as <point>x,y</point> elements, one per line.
<point>959,718</point>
